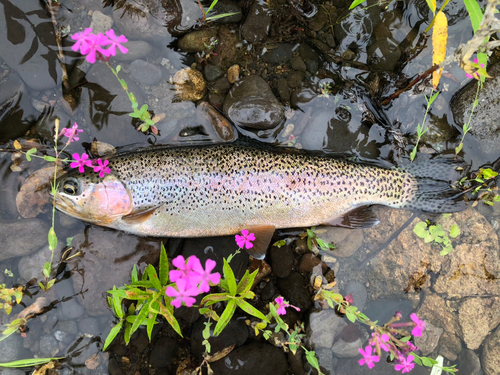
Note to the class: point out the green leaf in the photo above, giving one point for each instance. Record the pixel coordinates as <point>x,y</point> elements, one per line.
<point>421,229</point>
<point>151,320</point>
<point>52,239</point>
<point>225,317</point>
<point>355,3</point>
<point>405,339</point>
<point>30,362</point>
<point>429,362</point>
<point>112,334</point>
<point>47,269</point>
<point>31,151</point>
<point>168,313</point>
<point>134,276</point>
<point>50,284</point>
<point>245,306</point>
<point>149,122</point>
<point>413,153</point>
<point>118,68</point>
<point>488,173</point>
<point>163,267</point>
<point>416,359</point>
<point>246,282</point>
<point>49,158</point>
<point>351,316</point>
<point>459,148</point>
<point>475,13</point>
<point>454,231</point>
<point>153,277</point>
<point>214,298</point>
<point>141,317</point>
<point>229,276</point>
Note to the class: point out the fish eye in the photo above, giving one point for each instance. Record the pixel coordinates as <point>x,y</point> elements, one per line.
<point>70,187</point>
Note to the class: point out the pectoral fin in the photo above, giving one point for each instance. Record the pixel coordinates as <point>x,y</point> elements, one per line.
<point>140,216</point>
<point>263,236</point>
<point>360,217</point>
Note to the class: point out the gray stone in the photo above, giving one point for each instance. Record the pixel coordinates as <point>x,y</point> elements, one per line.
<point>31,266</point>
<point>257,23</point>
<point>318,321</point>
<point>145,72</point>
<point>478,316</point>
<point>486,118</point>
<point>469,363</point>
<point>89,326</point>
<point>22,237</point>
<point>100,22</point>
<point>212,72</point>
<point>347,241</point>
<point>256,358</point>
<point>298,63</point>
<point>69,308</point>
<point>137,49</point>
<point>279,55</point>
<point>358,291</point>
<point>251,104</point>
<point>11,348</point>
<point>326,360</point>
<point>430,339</point>
<point>294,79</point>
<point>49,346</point>
<point>283,90</point>
<point>343,349</point>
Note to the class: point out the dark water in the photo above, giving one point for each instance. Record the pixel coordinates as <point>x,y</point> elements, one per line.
<point>346,118</point>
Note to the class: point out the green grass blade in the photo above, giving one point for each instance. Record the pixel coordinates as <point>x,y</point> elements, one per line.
<point>112,334</point>
<point>29,362</point>
<point>475,13</point>
<point>163,268</point>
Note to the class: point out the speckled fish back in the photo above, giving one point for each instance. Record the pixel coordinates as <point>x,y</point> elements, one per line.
<point>222,189</point>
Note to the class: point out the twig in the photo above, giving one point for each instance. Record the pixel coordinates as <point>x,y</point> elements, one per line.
<point>51,7</point>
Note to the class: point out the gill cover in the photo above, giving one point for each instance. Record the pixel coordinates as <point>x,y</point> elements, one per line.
<point>99,202</point>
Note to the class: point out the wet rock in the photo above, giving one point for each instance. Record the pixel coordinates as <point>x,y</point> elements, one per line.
<point>491,354</point>
<point>348,342</point>
<point>252,359</point>
<point>268,292</point>
<point>19,34</point>
<point>477,243</point>
<point>22,237</point>
<point>486,117</point>
<point>189,85</point>
<point>316,332</point>
<point>283,90</point>
<point>347,241</point>
<point>214,123</point>
<point>197,41</point>
<point>212,72</point>
<point>145,72</point>
<point>309,261</point>
<point>12,108</point>
<point>70,308</point>
<point>326,360</point>
<point>469,363</point>
<point>31,266</point>
<point>257,23</point>
<point>295,361</point>
<point>235,333</point>
<point>435,310</point>
<point>137,49</point>
<point>108,258</point>
<point>478,317</point>
<point>226,52</point>
<point>153,20</point>
<point>251,104</point>
<point>430,339</point>
<point>293,288</point>
<point>282,261</point>
<point>294,79</point>
<point>11,348</point>
<point>358,292</point>
<point>221,86</point>
<point>279,55</point>
<point>49,346</point>
<point>164,351</point>
<point>89,326</point>
<point>298,64</point>
<point>100,22</point>
<point>383,309</point>
<point>226,7</point>
<point>233,73</point>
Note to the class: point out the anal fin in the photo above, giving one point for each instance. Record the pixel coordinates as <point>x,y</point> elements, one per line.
<point>263,236</point>
<point>137,217</point>
<point>360,217</point>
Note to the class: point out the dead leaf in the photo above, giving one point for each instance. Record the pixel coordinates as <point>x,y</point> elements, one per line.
<point>220,354</point>
<point>17,145</point>
<point>34,193</point>
<point>93,362</point>
<point>43,370</point>
<point>439,39</point>
<point>35,308</point>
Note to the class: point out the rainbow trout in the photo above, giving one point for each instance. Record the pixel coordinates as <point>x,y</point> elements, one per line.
<point>220,190</point>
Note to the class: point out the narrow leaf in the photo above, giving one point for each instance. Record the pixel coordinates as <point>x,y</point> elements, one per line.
<point>475,13</point>
<point>112,334</point>
<point>225,317</point>
<point>163,266</point>
<point>245,306</point>
<point>231,280</point>
<point>355,3</point>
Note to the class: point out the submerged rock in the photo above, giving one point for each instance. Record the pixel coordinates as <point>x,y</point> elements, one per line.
<point>257,23</point>
<point>251,104</point>
<point>486,118</point>
<point>22,237</point>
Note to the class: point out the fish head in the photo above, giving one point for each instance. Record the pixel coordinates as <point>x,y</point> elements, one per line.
<point>90,198</point>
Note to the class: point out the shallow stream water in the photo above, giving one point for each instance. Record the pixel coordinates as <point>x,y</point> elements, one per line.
<point>329,69</point>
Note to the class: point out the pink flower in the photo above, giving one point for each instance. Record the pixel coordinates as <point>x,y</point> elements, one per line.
<point>185,270</point>
<point>282,304</point>
<point>81,39</point>
<point>183,293</point>
<point>205,276</point>
<point>368,358</point>
<point>380,340</point>
<point>115,42</point>
<point>81,162</point>
<point>419,325</point>
<point>102,167</point>
<point>71,133</point>
<point>93,47</point>
<point>245,239</point>
<point>405,364</point>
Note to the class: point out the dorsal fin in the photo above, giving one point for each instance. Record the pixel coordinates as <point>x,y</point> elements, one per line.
<point>136,217</point>
<point>263,236</point>
<point>360,217</point>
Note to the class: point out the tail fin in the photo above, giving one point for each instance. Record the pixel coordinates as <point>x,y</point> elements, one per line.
<point>436,191</point>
